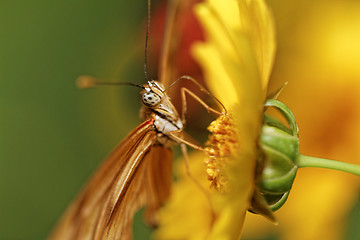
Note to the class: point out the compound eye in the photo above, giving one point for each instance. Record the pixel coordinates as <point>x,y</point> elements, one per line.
<point>150,99</point>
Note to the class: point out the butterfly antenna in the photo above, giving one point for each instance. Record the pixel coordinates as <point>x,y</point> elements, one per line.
<point>146,40</point>
<point>89,82</point>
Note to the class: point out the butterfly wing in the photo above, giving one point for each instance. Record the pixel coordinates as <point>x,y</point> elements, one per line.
<point>112,195</point>
<point>151,183</point>
<point>158,181</point>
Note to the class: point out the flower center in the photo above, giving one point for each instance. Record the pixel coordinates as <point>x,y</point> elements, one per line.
<point>222,144</point>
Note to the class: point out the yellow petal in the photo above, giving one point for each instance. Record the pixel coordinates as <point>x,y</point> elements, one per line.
<point>240,37</point>
<point>257,21</point>
<point>236,67</point>
<point>187,214</point>
<point>234,61</point>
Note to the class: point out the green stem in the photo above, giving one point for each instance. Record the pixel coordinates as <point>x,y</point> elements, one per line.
<point>307,161</point>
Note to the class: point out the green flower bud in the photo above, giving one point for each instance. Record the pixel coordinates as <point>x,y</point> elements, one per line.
<point>280,146</point>
<point>278,161</point>
<point>279,170</point>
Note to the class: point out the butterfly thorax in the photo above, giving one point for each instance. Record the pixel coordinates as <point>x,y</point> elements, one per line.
<point>157,105</point>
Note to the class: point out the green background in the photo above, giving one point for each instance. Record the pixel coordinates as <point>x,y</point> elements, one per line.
<point>53,135</point>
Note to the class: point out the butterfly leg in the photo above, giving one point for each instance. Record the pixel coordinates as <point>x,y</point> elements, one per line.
<point>177,135</point>
<point>185,91</point>
<point>185,77</point>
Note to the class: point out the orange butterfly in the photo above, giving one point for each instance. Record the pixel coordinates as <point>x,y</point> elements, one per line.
<point>137,173</point>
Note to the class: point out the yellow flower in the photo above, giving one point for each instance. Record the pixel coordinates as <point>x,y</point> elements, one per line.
<point>236,58</point>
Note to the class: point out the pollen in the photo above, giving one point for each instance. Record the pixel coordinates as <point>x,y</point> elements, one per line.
<point>222,144</point>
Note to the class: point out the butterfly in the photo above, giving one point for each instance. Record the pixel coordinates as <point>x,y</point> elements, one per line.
<point>138,171</point>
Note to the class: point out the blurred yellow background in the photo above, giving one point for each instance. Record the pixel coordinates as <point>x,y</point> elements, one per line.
<point>53,135</point>
<point>319,55</point>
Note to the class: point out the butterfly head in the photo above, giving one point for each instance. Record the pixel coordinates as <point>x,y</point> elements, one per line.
<point>152,94</point>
